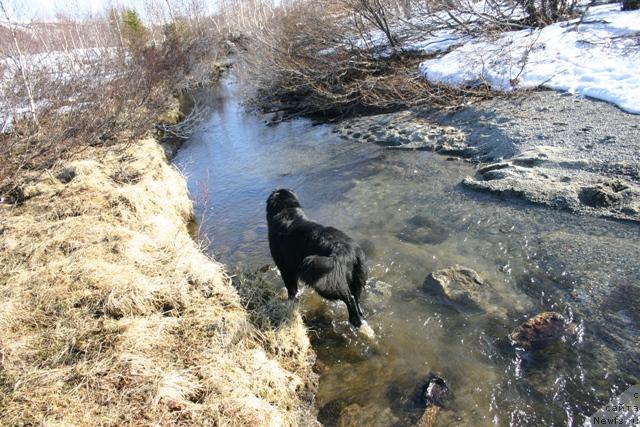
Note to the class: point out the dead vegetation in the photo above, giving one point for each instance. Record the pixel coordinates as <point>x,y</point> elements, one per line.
<point>111,315</point>
<point>73,85</point>
<point>314,58</point>
<point>337,58</point>
<point>109,312</point>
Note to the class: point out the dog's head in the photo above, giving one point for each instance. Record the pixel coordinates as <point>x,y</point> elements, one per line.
<point>281,199</point>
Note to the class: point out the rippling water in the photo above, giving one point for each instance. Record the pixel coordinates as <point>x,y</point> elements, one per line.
<point>536,259</point>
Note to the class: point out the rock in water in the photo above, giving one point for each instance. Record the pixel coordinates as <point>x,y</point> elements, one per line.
<point>422,230</point>
<point>461,286</point>
<point>369,415</point>
<point>369,248</point>
<point>435,395</point>
<point>542,331</point>
<point>435,391</point>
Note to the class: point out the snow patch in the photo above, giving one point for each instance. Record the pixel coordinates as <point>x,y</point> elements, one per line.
<point>599,58</point>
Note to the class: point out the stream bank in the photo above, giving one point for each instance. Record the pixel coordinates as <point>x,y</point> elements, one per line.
<point>547,148</point>
<point>110,313</point>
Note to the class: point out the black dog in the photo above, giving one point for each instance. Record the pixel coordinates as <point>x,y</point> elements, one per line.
<point>322,257</point>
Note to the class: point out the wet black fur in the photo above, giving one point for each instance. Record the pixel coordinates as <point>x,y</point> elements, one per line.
<point>324,258</point>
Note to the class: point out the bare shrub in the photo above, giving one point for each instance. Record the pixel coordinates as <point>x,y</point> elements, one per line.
<point>312,58</point>
<point>544,12</point>
<point>378,13</point>
<point>109,85</point>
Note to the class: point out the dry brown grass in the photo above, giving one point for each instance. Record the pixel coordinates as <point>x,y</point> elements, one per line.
<point>111,315</point>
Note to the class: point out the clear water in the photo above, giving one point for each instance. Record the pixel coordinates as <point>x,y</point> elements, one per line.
<point>537,259</point>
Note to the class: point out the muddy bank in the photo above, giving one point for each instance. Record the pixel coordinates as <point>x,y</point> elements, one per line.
<point>545,147</point>
<point>110,314</point>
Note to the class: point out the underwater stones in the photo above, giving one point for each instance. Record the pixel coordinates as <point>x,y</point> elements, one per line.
<point>341,413</point>
<point>369,248</point>
<point>542,331</point>
<point>422,230</point>
<point>436,392</point>
<point>330,412</point>
<point>461,286</point>
<point>377,296</point>
<point>403,130</point>
<point>379,289</point>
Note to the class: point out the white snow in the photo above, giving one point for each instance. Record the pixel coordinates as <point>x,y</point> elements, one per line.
<point>443,41</point>
<point>74,64</point>
<point>599,58</point>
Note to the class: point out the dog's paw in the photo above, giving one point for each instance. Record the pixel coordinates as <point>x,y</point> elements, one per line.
<point>366,330</point>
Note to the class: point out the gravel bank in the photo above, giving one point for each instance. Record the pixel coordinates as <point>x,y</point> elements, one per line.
<point>557,150</point>
<point>545,147</point>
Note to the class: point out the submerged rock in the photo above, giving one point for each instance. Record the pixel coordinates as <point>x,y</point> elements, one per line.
<point>357,415</point>
<point>436,392</point>
<point>404,130</point>
<point>422,230</point>
<point>369,248</point>
<point>543,330</point>
<point>329,414</point>
<point>461,286</point>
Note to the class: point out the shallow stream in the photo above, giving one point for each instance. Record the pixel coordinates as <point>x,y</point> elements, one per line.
<point>536,259</point>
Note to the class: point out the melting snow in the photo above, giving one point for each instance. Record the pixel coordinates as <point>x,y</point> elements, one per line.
<point>599,58</point>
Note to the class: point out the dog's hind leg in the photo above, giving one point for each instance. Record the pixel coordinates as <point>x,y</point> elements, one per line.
<point>355,318</point>
<point>357,301</point>
<point>358,280</point>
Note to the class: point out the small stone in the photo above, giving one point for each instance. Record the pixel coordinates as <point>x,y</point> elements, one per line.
<point>492,167</point>
<point>369,248</point>
<point>435,391</point>
<point>390,141</point>
<point>542,331</point>
<point>67,175</point>
<point>466,291</point>
<point>422,230</point>
<point>460,285</point>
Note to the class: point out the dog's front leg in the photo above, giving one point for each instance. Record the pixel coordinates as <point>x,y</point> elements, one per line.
<point>291,283</point>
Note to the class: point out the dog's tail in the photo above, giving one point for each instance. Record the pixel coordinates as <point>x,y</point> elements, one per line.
<point>327,276</point>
